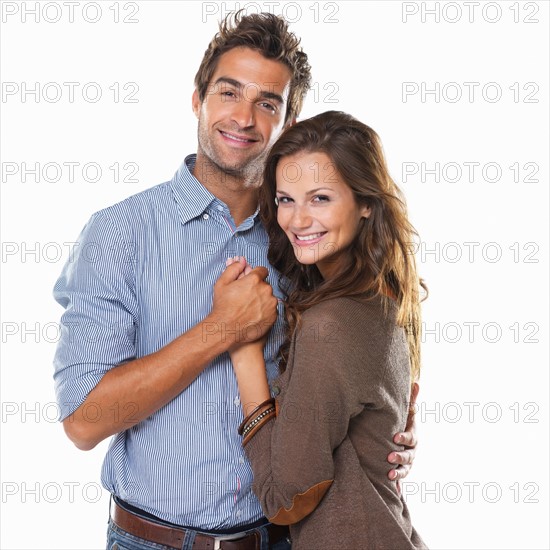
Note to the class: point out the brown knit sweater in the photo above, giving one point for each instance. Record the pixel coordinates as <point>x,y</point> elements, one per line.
<point>321,466</point>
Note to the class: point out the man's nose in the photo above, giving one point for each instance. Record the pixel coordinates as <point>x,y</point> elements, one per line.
<point>243,113</point>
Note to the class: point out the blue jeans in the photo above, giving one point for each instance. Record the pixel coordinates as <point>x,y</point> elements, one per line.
<point>117,539</point>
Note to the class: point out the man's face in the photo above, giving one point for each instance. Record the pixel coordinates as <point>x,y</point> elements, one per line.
<point>243,111</point>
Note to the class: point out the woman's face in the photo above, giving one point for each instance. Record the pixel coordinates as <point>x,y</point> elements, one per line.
<point>317,210</point>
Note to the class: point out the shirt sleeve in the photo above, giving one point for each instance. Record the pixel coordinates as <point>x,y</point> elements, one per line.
<point>97,332</point>
<point>292,455</point>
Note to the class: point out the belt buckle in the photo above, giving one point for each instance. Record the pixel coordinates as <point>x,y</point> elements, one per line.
<point>219,540</point>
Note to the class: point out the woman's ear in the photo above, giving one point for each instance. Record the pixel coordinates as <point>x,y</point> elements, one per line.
<point>365,211</point>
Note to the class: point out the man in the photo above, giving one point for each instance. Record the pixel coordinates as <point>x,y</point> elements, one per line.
<point>142,354</point>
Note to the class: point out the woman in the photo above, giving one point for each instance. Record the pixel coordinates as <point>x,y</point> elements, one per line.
<point>339,236</point>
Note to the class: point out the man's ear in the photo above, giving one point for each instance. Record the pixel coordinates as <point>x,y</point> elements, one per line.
<point>290,123</point>
<point>196,103</point>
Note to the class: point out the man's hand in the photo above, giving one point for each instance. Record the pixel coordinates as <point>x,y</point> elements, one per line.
<point>244,308</point>
<point>404,459</point>
<point>241,352</point>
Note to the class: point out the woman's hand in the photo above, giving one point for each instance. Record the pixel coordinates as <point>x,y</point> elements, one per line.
<point>241,259</point>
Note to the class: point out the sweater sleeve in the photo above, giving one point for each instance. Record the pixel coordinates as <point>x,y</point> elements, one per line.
<point>292,455</point>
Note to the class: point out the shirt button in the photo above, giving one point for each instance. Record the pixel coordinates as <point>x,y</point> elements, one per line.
<point>219,207</point>
<point>237,401</point>
<point>238,514</point>
<point>275,390</point>
<point>241,460</point>
<point>205,216</point>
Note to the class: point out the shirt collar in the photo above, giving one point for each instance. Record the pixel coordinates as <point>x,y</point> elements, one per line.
<point>193,198</point>
<point>189,193</point>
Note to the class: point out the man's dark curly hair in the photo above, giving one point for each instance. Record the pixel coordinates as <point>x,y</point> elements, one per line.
<point>267,34</point>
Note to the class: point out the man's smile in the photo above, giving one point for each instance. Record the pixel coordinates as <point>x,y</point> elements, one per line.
<point>237,139</point>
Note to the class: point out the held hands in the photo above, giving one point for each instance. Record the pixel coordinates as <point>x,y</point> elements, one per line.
<point>248,356</point>
<point>405,458</point>
<point>244,307</point>
<point>246,352</point>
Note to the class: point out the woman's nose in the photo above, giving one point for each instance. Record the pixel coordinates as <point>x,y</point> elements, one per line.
<point>301,217</point>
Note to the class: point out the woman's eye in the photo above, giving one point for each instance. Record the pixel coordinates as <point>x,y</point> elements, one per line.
<point>320,198</point>
<point>284,200</point>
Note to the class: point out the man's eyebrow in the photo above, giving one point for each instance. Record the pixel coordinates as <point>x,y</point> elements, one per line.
<point>272,95</point>
<point>265,94</point>
<point>230,81</point>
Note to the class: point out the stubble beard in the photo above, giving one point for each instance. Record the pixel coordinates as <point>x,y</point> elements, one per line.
<point>247,173</point>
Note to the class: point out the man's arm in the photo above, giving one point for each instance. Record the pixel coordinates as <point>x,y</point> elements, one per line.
<point>146,384</point>
<point>405,458</point>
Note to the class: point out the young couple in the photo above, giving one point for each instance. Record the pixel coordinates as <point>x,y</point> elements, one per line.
<point>321,351</point>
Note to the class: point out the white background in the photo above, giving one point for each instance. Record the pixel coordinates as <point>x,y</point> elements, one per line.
<point>480,479</point>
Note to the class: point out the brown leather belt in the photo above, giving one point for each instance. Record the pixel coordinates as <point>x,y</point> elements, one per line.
<point>175,536</point>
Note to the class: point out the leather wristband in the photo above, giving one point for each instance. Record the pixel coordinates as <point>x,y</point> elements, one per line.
<point>267,403</point>
<point>254,429</point>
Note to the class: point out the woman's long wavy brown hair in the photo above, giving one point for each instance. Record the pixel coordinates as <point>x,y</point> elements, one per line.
<point>380,260</point>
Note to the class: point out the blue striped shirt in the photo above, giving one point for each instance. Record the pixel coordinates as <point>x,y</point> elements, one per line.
<point>143,274</point>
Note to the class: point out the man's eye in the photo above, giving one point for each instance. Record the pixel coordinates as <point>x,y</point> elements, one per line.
<point>268,106</point>
<point>228,93</point>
